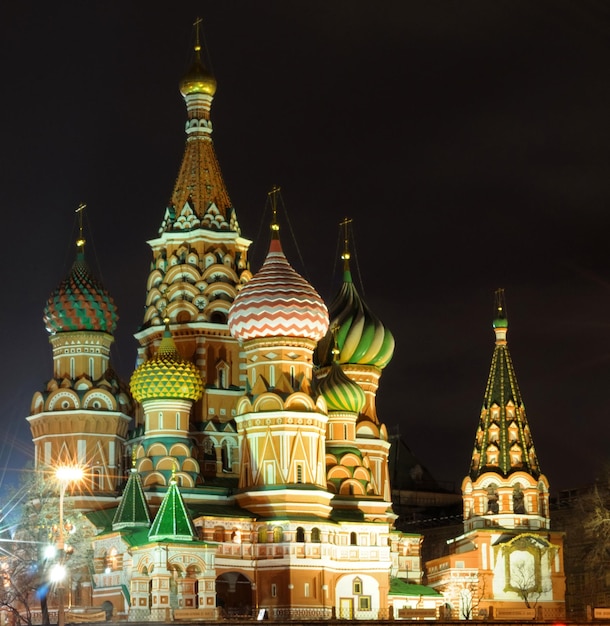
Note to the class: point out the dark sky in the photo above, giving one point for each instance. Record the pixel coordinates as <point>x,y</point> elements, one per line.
<point>469,141</point>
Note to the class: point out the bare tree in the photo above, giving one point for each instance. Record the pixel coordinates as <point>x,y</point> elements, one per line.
<point>595,506</point>
<point>525,582</point>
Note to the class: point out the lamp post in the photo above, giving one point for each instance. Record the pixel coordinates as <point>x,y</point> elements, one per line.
<point>65,475</point>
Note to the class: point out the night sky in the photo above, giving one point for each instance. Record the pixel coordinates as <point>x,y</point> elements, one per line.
<point>469,142</point>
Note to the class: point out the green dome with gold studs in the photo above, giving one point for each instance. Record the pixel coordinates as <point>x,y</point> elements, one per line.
<point>166,376</point>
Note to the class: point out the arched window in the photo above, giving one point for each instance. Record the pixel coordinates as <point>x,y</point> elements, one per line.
<point>278,534</point>
<point>300,534</point>
<point>262,534</point>
<point>315,535</point>
<point>353,539</point>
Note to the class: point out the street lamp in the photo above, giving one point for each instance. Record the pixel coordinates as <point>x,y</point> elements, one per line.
<point>65,475</point>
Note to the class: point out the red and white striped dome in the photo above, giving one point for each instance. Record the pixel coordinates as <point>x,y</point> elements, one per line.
<point>278,302</point>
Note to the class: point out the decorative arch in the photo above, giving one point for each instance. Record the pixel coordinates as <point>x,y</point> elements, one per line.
<point>63,400</point>
<point>102,399</point>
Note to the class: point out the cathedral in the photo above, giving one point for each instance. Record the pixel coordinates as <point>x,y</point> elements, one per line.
<point>243,469</point>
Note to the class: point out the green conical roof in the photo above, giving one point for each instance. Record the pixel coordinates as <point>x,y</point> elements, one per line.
<point>172,521</point>
<point>133,509</point>
<point>503,442</point>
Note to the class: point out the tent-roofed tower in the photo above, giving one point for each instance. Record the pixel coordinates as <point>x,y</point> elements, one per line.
<point>83,413</point>
<point>507,562</point>
<point>505,481</point>
<point>199,263</point>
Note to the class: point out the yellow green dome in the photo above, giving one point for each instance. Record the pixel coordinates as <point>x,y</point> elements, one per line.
<point>166,376</point>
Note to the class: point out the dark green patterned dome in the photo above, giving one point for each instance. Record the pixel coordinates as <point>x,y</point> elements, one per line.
<point>361,337</point>
<point>80,303</point>
<point>341,393</point>
<point>166,376</point>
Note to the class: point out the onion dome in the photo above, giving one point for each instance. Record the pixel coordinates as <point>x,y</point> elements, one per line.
<point>80,303</point>
<point>340,392</point>
<point>361,337</point>
<point>198,79</point>
<point>278,302</point>
<point>167,375</point>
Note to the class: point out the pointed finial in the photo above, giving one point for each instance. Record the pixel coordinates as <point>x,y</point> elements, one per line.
<point>80,242</point>
<point>500,323</point>
<point>197,25</point>
<point>345,255</point>
<point>174,470</point>
<point>134,456</point>
<point>275,227</point>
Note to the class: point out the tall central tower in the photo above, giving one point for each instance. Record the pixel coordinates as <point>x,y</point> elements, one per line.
<point>199,262</point>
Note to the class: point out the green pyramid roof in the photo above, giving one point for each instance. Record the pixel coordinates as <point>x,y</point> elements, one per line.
<point>503,427</point>
<point>172,520</point>
<point>133,509</point>
<point>400,587</point>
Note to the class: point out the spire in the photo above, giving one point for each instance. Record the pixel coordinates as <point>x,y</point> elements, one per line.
<point>347,275</point>
<point>80,242</point>
<point>503,442</point>
<point>133,509</point>
<point>200,199</point>
<point>275,226</point>
<point>172,520</point>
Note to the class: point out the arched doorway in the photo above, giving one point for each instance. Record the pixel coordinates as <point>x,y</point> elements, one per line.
<point>234,594</point>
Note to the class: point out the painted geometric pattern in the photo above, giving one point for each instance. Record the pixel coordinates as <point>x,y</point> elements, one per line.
<point>166,376</point>
<point>80,303</point>
<point>361,337</point>
<point>278,302</point>
<point>340,392</point>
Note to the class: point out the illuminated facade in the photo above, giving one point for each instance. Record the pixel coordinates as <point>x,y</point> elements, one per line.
<point>508,563</point>
<point>256,465</point>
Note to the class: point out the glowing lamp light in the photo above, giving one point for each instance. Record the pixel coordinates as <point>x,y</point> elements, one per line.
<point>69,473</point>
<point>57,573</point>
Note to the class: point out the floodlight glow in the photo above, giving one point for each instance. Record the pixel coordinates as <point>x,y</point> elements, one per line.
<point>69,473</point>
<point>57,573</point>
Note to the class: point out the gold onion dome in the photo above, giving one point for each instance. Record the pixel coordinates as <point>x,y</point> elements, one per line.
<point>361,337</point>
<point>80,302</point>
<point>198,79</point>
<point>278,302</point>
<point>340,392</point>
<point>166,376</point>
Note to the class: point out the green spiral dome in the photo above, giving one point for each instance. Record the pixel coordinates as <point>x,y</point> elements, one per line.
<point>166,376</point>
<point>341,393</point>
<point>361,337</point>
